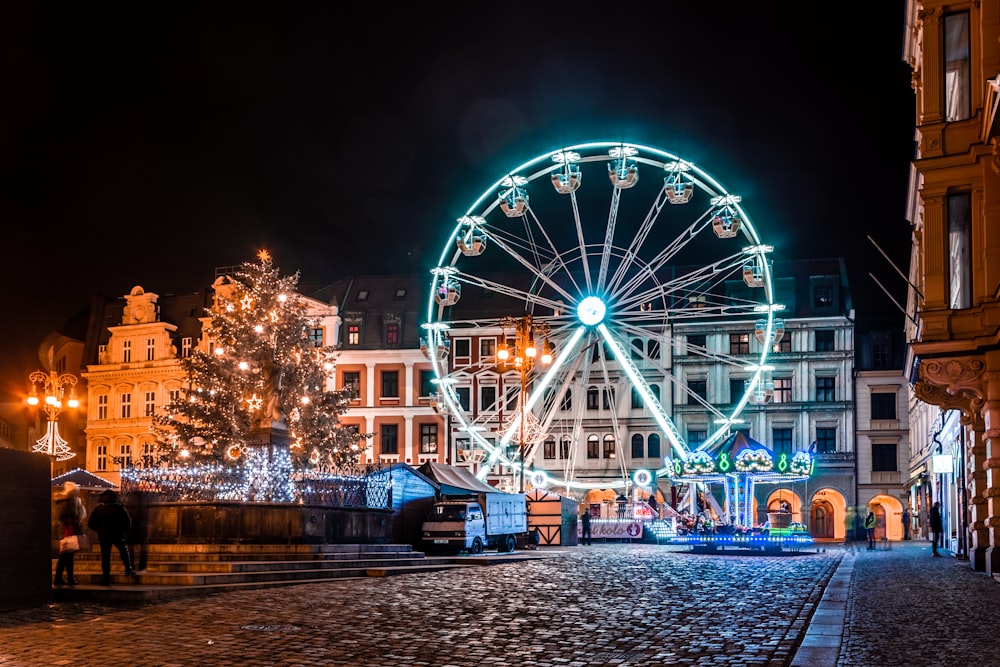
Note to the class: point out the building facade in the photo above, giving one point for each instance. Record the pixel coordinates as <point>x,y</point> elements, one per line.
<point>954,207</point>
<point>605,433</point>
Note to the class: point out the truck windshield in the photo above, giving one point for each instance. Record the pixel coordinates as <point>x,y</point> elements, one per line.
<point>449,513</point>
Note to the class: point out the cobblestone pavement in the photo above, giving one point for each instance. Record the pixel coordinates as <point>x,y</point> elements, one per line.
<point>609,604</point>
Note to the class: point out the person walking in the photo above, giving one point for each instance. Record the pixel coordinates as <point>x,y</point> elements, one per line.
<point>585,522</point>
<point>937,527</point>
<point>906,522</point>
<point>111,521</point>
<point>870,530</point>
<point>70,514</point>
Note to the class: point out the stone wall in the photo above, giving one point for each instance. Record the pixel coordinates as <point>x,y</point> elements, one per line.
<point>26,526</point>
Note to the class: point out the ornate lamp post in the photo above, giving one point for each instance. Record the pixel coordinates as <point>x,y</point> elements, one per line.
<point>522,357</point>
<point>48,390</point>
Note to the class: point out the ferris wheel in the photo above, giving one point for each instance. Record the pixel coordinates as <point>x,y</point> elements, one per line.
<point>563,296</point>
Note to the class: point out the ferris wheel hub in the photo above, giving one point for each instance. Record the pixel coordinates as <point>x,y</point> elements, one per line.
<point>591,311</point>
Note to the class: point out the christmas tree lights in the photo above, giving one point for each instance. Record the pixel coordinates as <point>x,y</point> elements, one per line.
<point>258,378</point>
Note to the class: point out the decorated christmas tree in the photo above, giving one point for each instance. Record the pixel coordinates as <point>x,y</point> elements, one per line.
<point>260,382</point>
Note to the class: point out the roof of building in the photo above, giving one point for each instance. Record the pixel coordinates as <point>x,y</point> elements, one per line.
<point>83,479</point>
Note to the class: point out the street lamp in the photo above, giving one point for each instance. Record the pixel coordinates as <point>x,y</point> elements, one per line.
<point>522,357</point>
<point>48,390</point>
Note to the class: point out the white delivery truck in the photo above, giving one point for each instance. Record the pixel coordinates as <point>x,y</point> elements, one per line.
<point>476,522</point>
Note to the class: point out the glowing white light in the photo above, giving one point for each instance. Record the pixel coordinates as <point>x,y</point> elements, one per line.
<point>591,311</point>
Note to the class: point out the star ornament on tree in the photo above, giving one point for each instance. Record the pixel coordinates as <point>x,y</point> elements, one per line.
<point>254,403</point>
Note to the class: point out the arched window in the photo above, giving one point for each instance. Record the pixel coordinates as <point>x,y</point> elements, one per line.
<point>567,400</point>
<point>593,396</point>
<point>637,447</point>
<point>564,444</point>
<point>593,447</point>
<point>637,349</point>
<point>609,446</point>
<point>654,445</point>
<point>653,349</point>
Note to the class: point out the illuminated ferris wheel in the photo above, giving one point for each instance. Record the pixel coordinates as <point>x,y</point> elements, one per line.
<point>574,255</point>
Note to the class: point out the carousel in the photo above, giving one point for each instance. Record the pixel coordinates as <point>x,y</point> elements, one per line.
<point>719,497</point>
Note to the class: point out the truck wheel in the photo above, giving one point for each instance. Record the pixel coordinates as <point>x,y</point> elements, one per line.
<point>509,543</point>
<point>477,546</point>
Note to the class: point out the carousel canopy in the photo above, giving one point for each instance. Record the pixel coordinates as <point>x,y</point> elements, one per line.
<point>741,454</point>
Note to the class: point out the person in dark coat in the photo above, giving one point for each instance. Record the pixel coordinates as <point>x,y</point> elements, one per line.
<point>70,514</point>
<point>111,521</point>
<point>937,527</point>
<point>585,534</point>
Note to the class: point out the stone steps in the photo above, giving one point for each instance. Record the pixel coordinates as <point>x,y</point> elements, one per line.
<point>173,571</point>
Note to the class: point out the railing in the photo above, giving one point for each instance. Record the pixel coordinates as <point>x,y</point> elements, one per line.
<point>356,487</point>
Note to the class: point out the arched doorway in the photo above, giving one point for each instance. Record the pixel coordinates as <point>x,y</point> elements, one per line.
<point>784,499</point>
<point>888,517</point>
<point>823,520</point>
<point>828,515</point>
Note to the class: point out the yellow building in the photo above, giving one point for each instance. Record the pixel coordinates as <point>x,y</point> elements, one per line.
<point>954,52</point>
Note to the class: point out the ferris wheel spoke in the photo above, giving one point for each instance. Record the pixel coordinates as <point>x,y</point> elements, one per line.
<point>640,384</point>
<point>633,252</point>
<point>533,269</point>
<point>609,237</point>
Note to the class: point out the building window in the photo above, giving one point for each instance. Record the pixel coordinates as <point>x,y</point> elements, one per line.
<point>487,347</point>
<point>464,397</point>
<point>186,346</point>
<point>390,384</point>
<point>636,399</point>
<point>826,389</point>
<point>316,337</point>
<point>564,447</point>
<point>638,447</point>
<point>695,438</point>
<point>149,404</point>
<point>390,439</point>
<point>883,457</point>
<point>148,456</point>
<point>653,350</point>
<point>823,296</point>
<point>150,349</point>
<point>826,440</point>
<point>957,67</point>
<point>174,395</point>
<point>428,438</point>
<point>461,347</point>
<point>697,389</point>
<point>880,355</point>
<point>354,334</point>
<point>737,387</point>
<point>959,242</point>
<point>124,455</point>
<point>654,445</point>
<point>593,396</point>
<point>487,398</point>
<point>102,351</point>
<point>608,398</point>
<point>824,340</point>
<point>102,406</point>
<point>782,390</point>
<point>739,343</point>
<point>549,450</point>
<point>352,382</point>
<point>609,446</point>
<point>567,400</point>
<point>362,295</point>
<point>392,334</point>
<point>102,458</point>
<point>782,443</point>
<point>126,351</point>
<point>883,406</point>
<point>593,447</point>
<point>399,296</point>
<point>125,401</point>
<point>783,345</point>
<point>696,343</point>
<point>426,383</point>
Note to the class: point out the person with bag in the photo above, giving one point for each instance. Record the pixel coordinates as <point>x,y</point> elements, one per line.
<point>870,530</point>
<point>70,514</point>
<point>111,521</point>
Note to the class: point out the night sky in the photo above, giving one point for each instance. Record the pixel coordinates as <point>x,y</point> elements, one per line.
<point>149,144</point>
